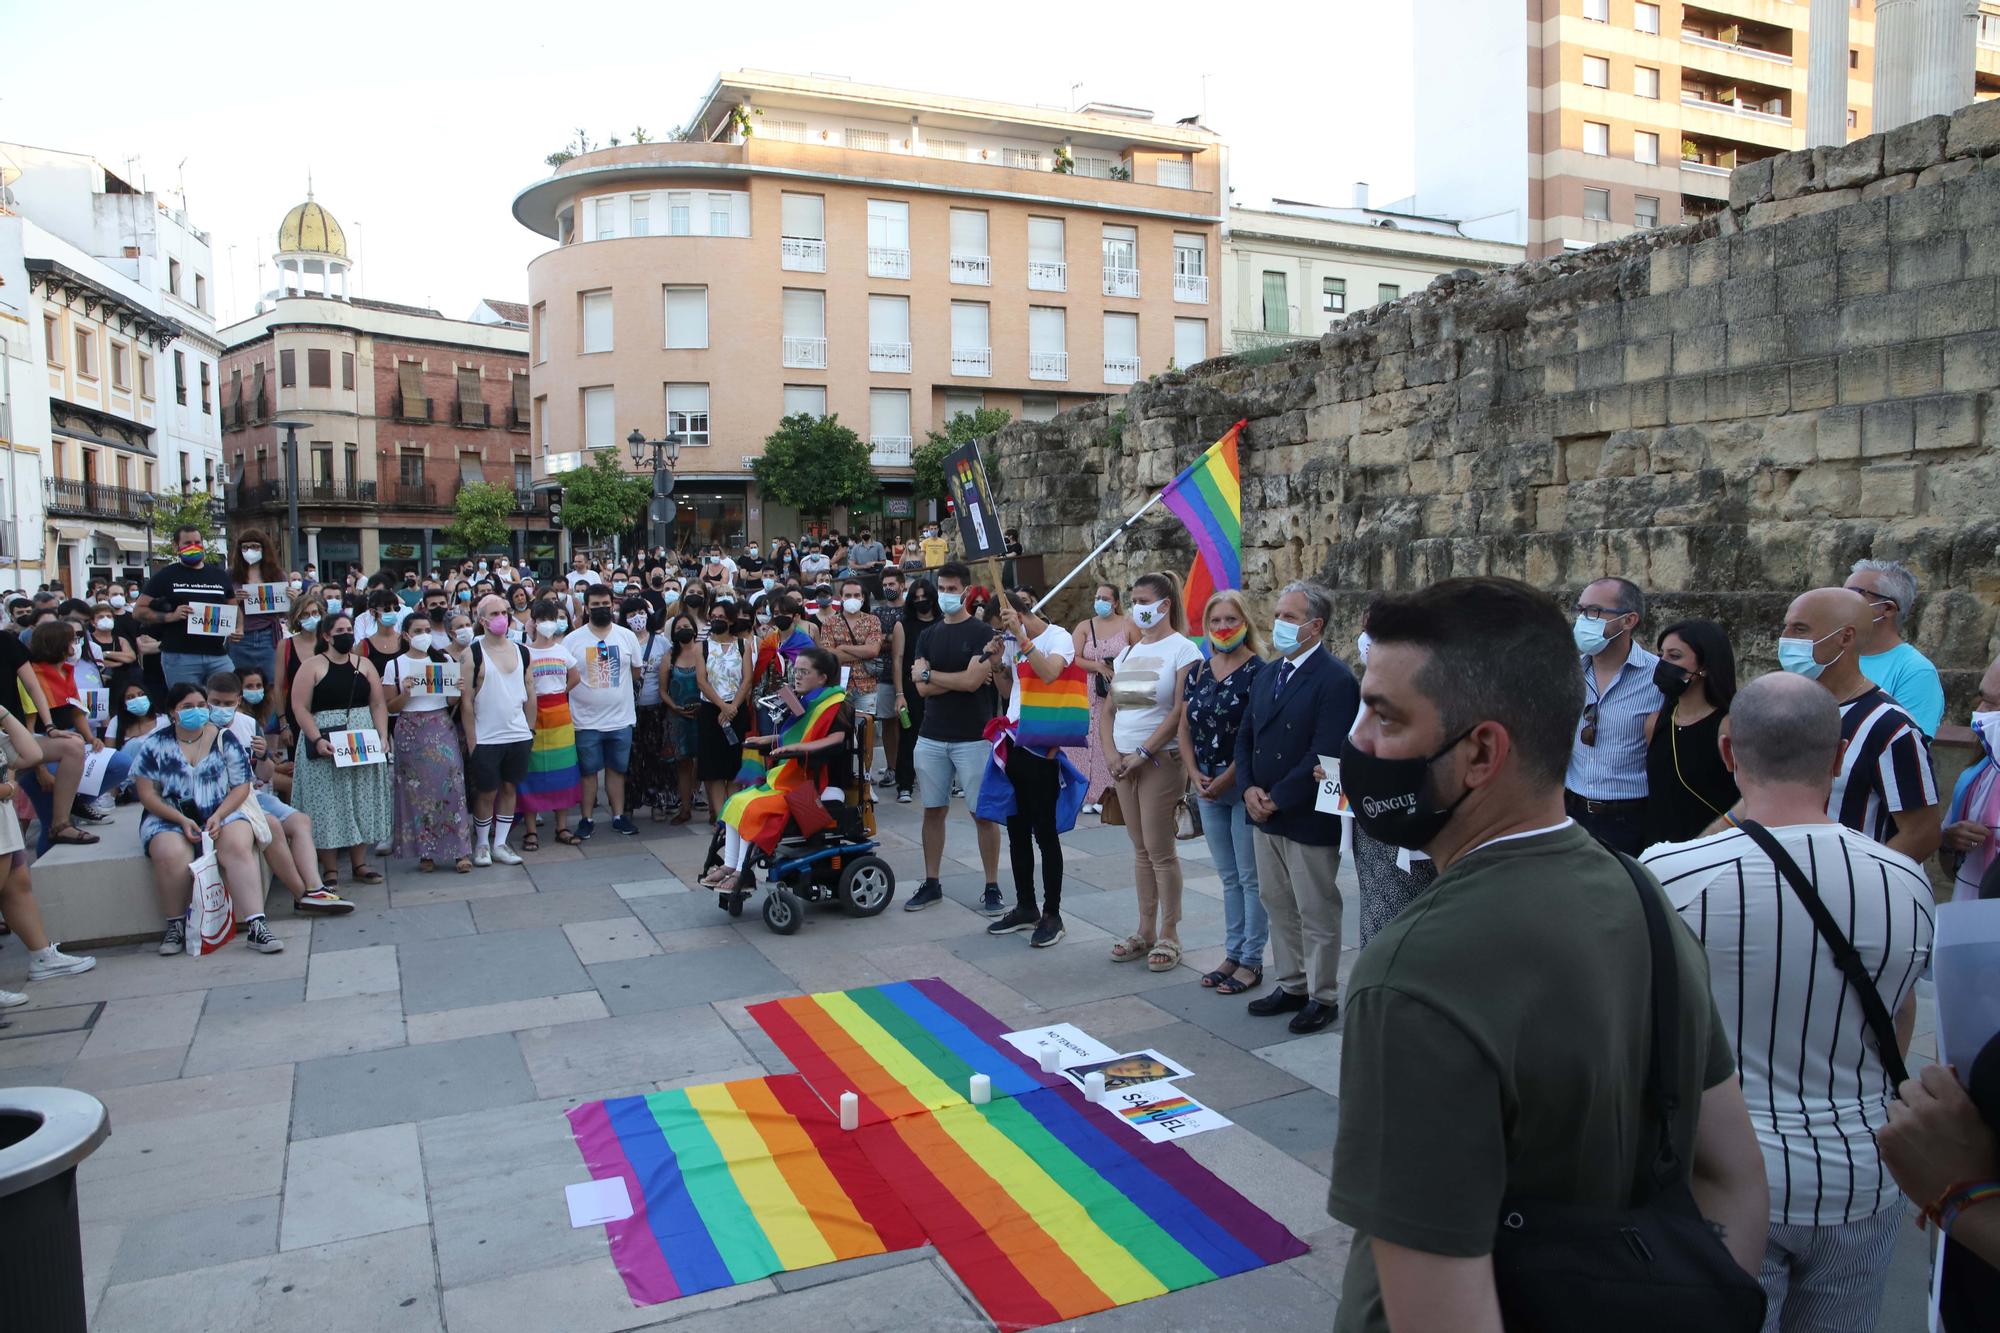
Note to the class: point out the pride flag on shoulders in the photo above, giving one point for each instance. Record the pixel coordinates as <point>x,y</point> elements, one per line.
<point>1208,497</point>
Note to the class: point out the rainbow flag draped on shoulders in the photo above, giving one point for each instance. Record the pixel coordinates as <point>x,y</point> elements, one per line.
<point>760,810</point>
<point>1208,497</point>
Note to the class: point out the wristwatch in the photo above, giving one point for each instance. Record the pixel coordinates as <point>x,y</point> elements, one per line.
<point>926,677</point>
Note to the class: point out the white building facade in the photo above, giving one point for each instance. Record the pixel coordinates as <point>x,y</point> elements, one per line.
<point>24,411</point>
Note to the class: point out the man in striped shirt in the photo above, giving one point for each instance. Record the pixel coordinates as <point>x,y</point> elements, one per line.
<point>1885,786</point>
<point>1816,1087</point>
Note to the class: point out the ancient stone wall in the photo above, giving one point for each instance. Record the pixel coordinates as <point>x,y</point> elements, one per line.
<point>1726,412</point>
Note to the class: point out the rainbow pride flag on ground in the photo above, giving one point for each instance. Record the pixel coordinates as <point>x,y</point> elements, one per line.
<point>731,1182</point>
<point>1055,714</point>
<point>1208,497</point>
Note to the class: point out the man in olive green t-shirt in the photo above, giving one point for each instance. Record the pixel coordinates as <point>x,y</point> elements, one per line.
<point>1496,1038</point>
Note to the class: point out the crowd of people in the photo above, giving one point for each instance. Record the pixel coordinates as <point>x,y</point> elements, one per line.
<point>1502,763</point>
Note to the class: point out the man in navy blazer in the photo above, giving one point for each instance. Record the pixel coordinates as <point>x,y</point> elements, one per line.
<point>1301,707</point>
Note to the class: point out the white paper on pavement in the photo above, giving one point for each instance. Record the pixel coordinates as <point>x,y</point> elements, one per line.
<point>1162,1112</point>
<point>595,1202</point>
<point>1073,1045</point>
<point>1965,961</point>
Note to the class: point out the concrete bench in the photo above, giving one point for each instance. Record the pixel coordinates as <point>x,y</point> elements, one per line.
<point>101,893</point>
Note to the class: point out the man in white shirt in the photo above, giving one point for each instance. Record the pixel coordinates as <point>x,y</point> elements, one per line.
<point>603,707</point>
<point>1816,1086</point>
<point>580,575</point>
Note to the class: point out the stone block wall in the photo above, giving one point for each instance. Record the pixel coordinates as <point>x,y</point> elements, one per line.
<point>1726,412</point>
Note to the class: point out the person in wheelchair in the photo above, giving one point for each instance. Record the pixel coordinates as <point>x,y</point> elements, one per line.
<point>798,786</point>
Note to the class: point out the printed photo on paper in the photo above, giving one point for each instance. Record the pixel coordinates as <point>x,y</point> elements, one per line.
<point>1127,1071</point>
<point>1161,1112</point>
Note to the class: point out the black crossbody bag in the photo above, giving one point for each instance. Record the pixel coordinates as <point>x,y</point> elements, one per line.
<point>1655,1267</point>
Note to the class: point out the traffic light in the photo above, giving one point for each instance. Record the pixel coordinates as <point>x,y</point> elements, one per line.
<point>555,508</point>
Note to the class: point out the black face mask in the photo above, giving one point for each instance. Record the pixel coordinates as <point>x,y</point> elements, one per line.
<point>718,627</point>
<point>342,643</point>
<point>683,636</point>
<point>1671,680</point>
<point>600,616</point>
<point>782,621</point>
<point>1391,797</point>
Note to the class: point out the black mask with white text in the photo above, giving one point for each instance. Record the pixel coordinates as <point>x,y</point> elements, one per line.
<point>1392,798</point>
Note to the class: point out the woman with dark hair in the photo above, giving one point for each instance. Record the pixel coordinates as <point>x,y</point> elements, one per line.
<point>649,780</point>
<point>1687,787</point>
<point>257,645</point>
<point>353,807</point>
<point>433,820</point>
<point>920,612</point>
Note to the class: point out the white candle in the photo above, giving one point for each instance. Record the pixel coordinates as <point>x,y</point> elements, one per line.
<point>1051,1058</point>
<point>850,1111</point>
<point>982,1089</point>
<point>1093,1085</point>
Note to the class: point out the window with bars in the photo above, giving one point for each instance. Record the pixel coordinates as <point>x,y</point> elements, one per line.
<point>874,141</point>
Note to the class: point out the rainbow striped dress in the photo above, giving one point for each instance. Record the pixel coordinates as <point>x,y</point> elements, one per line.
<point>553,781</point>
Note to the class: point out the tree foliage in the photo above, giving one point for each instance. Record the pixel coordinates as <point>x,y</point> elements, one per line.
<point>927,461</point>
<point>813,463</point>
<point>601,498</point>
<point>183,509</point>
<point>479,516</point>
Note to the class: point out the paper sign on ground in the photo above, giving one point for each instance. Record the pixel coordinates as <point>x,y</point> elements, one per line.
<point>97,703</point>
<point>351,749</point>
<point>96,763</point>
<point>1162,1112</point>
<point>212,619</point>
<point>1965,960</point>
<point>1332,800</point>
<point>1126,1071</point>
<point>432,678</point>
<point>261,598</point>
<point>592,1203</point>
<point>1073,1045</point>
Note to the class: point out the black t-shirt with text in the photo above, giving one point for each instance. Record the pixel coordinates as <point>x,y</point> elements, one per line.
<point>956,716</point>
<point>179,585</point>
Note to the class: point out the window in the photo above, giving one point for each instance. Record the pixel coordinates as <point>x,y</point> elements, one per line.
<point>200,292</point>
<point>517,418</point>
<point>1646,210</point>
<point>874,141</point>
<point>180,378</point>
<point>1646,147</point>
<point>1597,11</point>
<point>174,276</point>
<point>319,368</point>
<point>322,463</point>
<point>596,321</point>
<point>805,328</point>
<point>971,342</point>
<point>1190,341</point>
<point>1596,204</point>
<point>1853,58</point>
<point>687,316</point>
<point>638,211</point>
<point>888,239</point>
<point>52,339</point>
<point>86,353</point>
<point>802,232</point>
<point>415,404</point>
<point>600,426</point>
<point>524,473</point>
<point>1596,139</point>
<point>1386,292</point>
<point>603,213</point>
<point>1190,268</point>
<point>959,403</point>
<point>471,400</point>
<point>207,387</point>
<point>1046,270</point>
<point>1276,312</point>
<point>1027,159</point>
<point>410,468</point>
<point>1096,166</point>
<point>678,205</point>
<point>889,424</point>
<point>1121,348</point>
<point>951,150</point>
<point>541,331</point>
<point>1176,172</point>
<point>970,262</point>
<point>807,398</point>
<point>1333,295</point>
<point>288,369</point>
<point>1645,17</point>
<point>1646,82</point>
<point>721,211</point>
<point>889,333</point>
<point>145,376</point>
<point>786,131</point>
<point>1048,343</point>
<point>1853,119</point>
<point>1121,248</point>
<point>120,371</point>
<point>1596,72</point>
<point>1038,406</point>
<point>347,370</point>
<point>687,413</point>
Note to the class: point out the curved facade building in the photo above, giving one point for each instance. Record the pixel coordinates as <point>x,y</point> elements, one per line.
<point>889,257</point>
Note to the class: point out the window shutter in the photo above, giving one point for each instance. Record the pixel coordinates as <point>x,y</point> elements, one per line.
<point>803,216</point>
<point>687,317</point>
<point>521,398</point>
<point>968,326</point>
<point>1045,240</point>
<point>805,314</point>
<point>968,231</point>
<point>410,378</point>
<point>889,412</point>
<point>1190,341</point>
<point>468,385</point>
<point>469,469</point>
<point>1047,331</point>
<point>1121,336</point>
<point>888,319</point>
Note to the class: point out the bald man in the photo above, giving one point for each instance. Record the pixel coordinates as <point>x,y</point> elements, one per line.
<point>1885,787</point>
<point>498,712</point>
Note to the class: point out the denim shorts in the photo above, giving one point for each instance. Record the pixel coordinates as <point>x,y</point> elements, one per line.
<point>938,763</point>
<point>274,808</point>
<point>599,750</point>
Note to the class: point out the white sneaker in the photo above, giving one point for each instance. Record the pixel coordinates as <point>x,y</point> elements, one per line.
<point>482,855</point>
<point>58,964</point>
<point>10,998</point>
<point>383,849</point>
<point>506,855</point>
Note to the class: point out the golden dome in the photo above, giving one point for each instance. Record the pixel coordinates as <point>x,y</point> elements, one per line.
<point>310,229</point>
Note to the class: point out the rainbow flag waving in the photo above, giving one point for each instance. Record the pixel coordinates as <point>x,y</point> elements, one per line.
<point>1208,497</point>
<point>759,811</point>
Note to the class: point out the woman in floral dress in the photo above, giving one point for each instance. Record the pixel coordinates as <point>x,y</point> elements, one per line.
<point>433,820</point>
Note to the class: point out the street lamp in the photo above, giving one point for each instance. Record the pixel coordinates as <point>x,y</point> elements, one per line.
<point>146,506</point>
<point>292,428</point>
<point>665,454</point>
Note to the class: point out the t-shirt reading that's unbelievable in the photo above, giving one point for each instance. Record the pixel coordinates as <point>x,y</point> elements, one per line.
<point>179,585</point>
<point>956,715</point>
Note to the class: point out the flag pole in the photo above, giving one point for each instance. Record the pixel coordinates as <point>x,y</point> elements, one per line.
<point>1084,563</point>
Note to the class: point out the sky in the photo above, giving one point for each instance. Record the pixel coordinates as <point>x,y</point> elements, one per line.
<point>420,122</point>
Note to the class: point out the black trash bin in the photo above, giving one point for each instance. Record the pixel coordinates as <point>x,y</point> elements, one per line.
<point>44,1134</point>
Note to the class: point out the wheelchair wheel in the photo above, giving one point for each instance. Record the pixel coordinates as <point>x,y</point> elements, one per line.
<point>783,912</point>
<point>733,903</point>
<point>866,886</point>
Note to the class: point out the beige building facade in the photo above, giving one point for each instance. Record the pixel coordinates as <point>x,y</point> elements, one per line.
<point>888,257</point>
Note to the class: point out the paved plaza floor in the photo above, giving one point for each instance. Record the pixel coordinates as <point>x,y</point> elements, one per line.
<point>365,1133</point>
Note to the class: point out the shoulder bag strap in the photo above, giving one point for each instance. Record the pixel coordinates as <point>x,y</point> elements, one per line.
<point>1665,1006</point>
<point>1844,954</point>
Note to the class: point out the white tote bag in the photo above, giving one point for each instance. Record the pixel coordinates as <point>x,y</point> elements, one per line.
<point>211,916</point>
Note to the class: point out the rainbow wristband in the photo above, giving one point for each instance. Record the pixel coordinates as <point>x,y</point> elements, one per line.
<point>1961,1197</point>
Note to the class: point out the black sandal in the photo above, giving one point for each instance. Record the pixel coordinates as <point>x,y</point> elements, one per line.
<point>567,838</point>
<point>1217,977</point>
<point>531,841</point>
<point>1237,984</point>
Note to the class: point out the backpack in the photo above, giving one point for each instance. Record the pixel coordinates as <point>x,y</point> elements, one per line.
<point>479,663</point>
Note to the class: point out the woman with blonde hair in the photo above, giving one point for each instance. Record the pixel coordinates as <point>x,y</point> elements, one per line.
<point>1218,694</point>
<point>1140,737</point>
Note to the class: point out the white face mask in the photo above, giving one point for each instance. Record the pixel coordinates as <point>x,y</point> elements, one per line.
<point>253,555</point>
<point>851,605</point>
<point>1986,730</point>
<point>105,622</point>
<point>462,635</point>
<point>75,651</point>
<point>547,628</point>
<point>1148,614</point>
<point>117,601</point>
<point>420,643</point>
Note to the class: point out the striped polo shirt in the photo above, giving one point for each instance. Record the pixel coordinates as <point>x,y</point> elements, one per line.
<point>1885,767</point>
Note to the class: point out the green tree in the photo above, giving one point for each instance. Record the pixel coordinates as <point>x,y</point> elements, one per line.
<point>602,498</point>
<point>927,462</point>
<point>813,463</point>
<point>183,509</point>
<point>479,516</point>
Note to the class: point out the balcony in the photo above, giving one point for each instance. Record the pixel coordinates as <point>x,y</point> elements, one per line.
<point>894,357</point>
<point>802,254</point>
<point>413,409</point>
<point>1755,53</point>
<point>1048,275</point>
<point>972,270</point>
<point>464,413</point>
<point>972,361</point>
<point>1121,370</point>
<point>1121,281</point>
<point>1191,288</point>
<point>805,353</point>
<point>889,450</point>
<point>410,494</point>
<point>1048,365</point>
<point>272,494</point>
<point>88,499</point>
<point>887,261</point>
<point>260,407</point>
<point>1737,108</point>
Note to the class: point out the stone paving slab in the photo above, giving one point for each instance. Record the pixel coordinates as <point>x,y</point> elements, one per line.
<point>629,1048</point>
<point>398,925</point>
<point>39,1022</point>
<point>196,1238</point>
<point>163,1156</point>
<point>352,1092</point>
<point>1225,1075</point>
<point>586,1297</point>
<point>156,1023</point>
<point>910,1295</point>
<point>465,970</point>
<point>286,1033</point>
<point>630,863</point>
<point>339,972</point>
<point>549,907</point>
<point>677,980</point>
<point>1301,1123</point>
<point>508,1016</point>
<point>345,1186</point>
<point>1316,1059</point>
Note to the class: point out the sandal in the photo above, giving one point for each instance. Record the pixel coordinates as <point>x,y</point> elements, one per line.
<point>567,838</point>
<point>1246,978</point>
<point>77,837</point>
<point>329,878</point>
<point>1132,946</point>
<point>366,874</point>
<point>1220,975</point>
<point>464,865</point>
<point>426,866</point>
<point>531,841</point>
<point>1164,957</point>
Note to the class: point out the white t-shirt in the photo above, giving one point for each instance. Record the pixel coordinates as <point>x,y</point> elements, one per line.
<point>815,565</point>
<point>1142,688</point>
<point>580,578</point>
<point>651,655</point>
<point>1052,641</point>
<point>603,699</point>
<point>416,703</point>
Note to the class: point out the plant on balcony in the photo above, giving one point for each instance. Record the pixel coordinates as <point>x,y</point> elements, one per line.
<point>601,498</point>
<point>927,460</point>
<point>1121,172</point>
<point>639,135</point>
<point>1690,151</point>
<point>813,463</point>
<point>738,121</point>
<point>479,516</point>
<point>1065,164</point>
<point>175,510</point>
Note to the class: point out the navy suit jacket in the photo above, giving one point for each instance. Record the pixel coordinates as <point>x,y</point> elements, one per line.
<point>1283,734</point>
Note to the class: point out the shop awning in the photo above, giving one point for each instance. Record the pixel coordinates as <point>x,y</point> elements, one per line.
<point>69,532</point>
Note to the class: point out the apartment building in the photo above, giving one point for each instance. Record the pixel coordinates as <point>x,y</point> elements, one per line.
<point>886,256</point>
<point>1295,270</point>
<point>402,408</point>
<point>24,406</point>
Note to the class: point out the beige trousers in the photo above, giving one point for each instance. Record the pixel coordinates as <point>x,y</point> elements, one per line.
<point>1296,882</point>
<point>1147,799</point>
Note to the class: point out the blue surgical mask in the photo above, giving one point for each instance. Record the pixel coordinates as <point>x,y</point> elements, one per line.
<point>1102,607</point>
<point>308,623</point>
<point>1590,637</point>
<point>333,605</point>
<point>670,597</point>
<point>951,603</point>
<point>253,696</point>
<point>139,705</point>
<point>192,719</point>
<point>221,717</point>
<point>391,619</point>
<point>1796,656</point>
<point>465,594</point>
<point>1285,637</point>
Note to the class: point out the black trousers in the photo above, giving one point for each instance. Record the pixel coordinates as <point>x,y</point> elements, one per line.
<point>906,742</point>
<point>1037,781</point>
<point>1623,829</point>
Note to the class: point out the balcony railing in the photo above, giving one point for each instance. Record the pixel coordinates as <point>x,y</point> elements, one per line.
<point>413,409</point>
<point>410,494</point>
<point>1777,57</point>
<point>972,270</point>
<point>886,261</point>
<point>88,499</point>
<point>805,353</point>
<point>1048,365</point>
<point>464,413</point>
<point>1121,281</point>
<point>889,450</point>
<point>802,254</point>
<point>1689,164</point>
<point>1048,275</point>
<point>889,356</point>
<point>1191,287</point>
<point>972,361</point>
<point>1736,109</point>
<point>1121,370</point>
<point>272,494</point>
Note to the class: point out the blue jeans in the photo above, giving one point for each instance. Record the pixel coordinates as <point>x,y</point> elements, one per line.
<point>197,667</point>
<point>257,648</point>
<point>1245,927</point>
